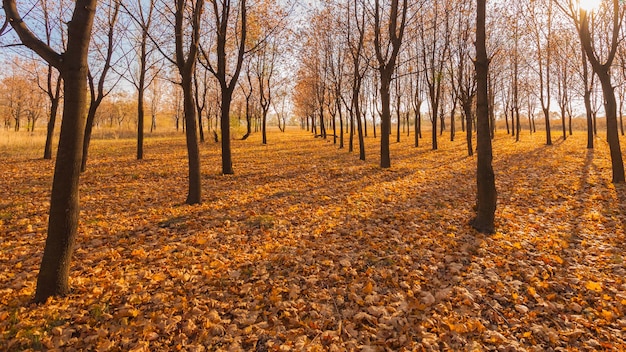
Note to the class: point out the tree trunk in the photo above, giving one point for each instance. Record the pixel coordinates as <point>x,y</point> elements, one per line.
<point>200,127</point>
<point>486,187</point>
<point>452,124</point>
<point>398,127</point>
<point>434,130</point>
<point>351,134</point>
<point>467,111</point>
<point>334,123</point>
<point>194,195</point>
<point>227,159</point>
<point>153,122</point>
<point>398,110</point>
<point>563,123</point>
<point>264,126</point>
<point>341,132</point>
<point>364,125</point>
<point>54,108</point>
<point>492,102</point>
<point>140,119</point>
<point>518,124</point>
<point>91,115</point>
<point>64,202</point>
<point>140,94</point>
<point>357,112</point>
<point>322,123</point>
<point>417,122</point>
<point>546,114</point>
<point>53,276</point>
<point>249,120</point>
<point>620,112</point>
<point>442,122</point>
<point>610,107</point>
<point>385,120</point>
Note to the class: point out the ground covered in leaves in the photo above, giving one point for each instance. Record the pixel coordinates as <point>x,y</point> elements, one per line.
<point>306,248</point>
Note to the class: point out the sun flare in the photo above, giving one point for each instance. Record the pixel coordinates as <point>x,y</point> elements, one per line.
<point>590,5</point>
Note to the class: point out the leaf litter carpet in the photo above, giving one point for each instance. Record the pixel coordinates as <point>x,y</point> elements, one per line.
<point>306,248</point>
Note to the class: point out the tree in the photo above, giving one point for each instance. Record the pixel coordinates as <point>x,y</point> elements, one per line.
<point>97,90</point>
<point>223,37</point>
<point>600,43</point>
<point>142,14</point>
<point>53,82</point>
<point>464,82</point>
<point>64,201</point>
<point>281,109</point>
<point>416,88</point>
<point>541,24</point>
<point>156,96</point>
<point>16,98</point>
<point>387,46</point>
<point>247,88</point>
<point>265,69</point>
<point>486,186</point>
<point>435,51</point>
<point>200,88</point>
<point>185,61</point>
<point>563,66</point>
<point>356,45</point>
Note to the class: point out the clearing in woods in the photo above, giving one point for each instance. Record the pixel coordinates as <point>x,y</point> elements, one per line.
<point>307,248</point>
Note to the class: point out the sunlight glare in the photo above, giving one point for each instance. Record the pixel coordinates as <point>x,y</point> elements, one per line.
<point>590,5</point>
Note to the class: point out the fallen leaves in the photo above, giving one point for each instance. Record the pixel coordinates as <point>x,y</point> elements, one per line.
<point>306,248</point>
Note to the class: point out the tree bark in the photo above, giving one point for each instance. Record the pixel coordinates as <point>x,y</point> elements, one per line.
<point>604,75</point>
<point>612,132</point>
<point>227,159</point>
<point>385,121</point>
<point>140,119</point>
<point>467,111</point>
<point>53,276</point>
<point>486,187</point>
<point>54,108</point>
<point>186,65</point>
<point>194,194</point>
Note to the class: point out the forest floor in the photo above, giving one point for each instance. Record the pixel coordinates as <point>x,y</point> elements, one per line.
<point>306,248</point>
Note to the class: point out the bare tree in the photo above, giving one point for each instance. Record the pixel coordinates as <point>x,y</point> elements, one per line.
<point>64,203</point>
<point>601,57</point>
<point>185,60</point>
<point>356,46</point>
<point>97,89</point>
<point>541,22</point>
<point>224,13</point>
<point>53,83</point>
<point>142,14</point>
<point>387,46</point>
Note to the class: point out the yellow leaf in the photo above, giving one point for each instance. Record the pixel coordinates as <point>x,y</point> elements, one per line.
<point>517,245</point>
<point>158,277</point>
<point>594,286</point>
<point>532,291</point>
<point>558,259</point>
<point>138,253</point>
<point>275,295</point>
<point>368,288</point>
<point>607,314</point>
